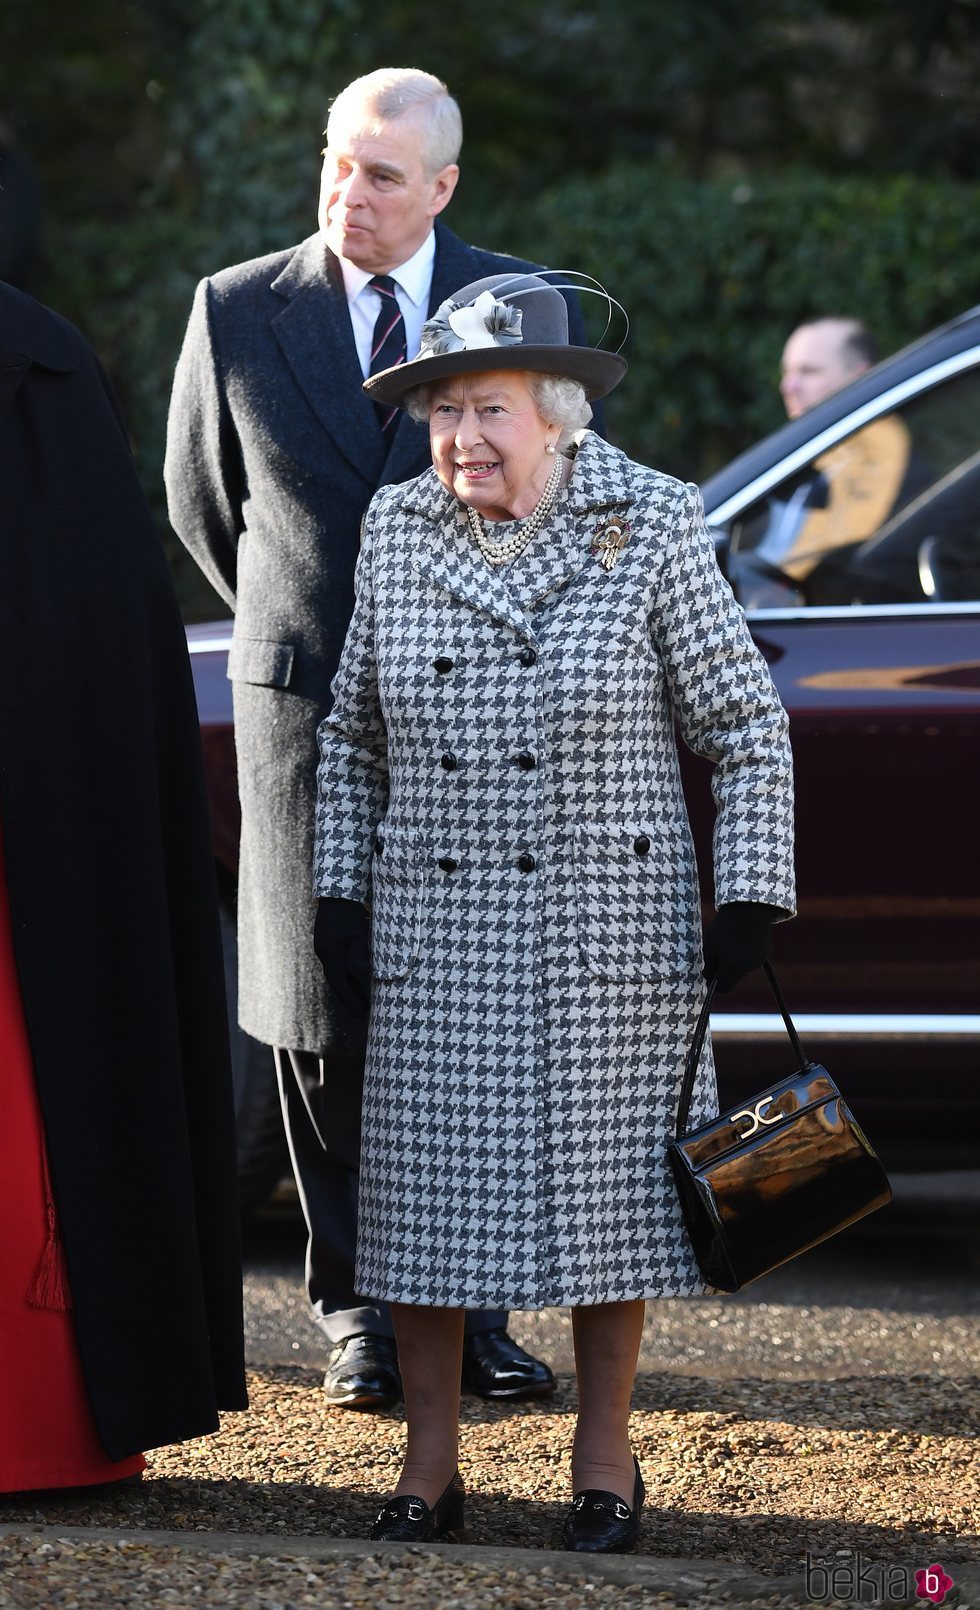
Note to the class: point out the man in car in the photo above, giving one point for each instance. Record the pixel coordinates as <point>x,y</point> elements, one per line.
<point>273,454</point>
<point>821,356</point>
<point>845,495</point>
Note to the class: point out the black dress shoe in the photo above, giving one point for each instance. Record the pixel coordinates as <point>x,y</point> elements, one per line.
<point>362,1372</point>
<point>410,1520</point>
<point>600,1523</point>
<point>495,1367</point>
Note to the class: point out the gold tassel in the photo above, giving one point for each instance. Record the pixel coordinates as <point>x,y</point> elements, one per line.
<point>50,1288</point>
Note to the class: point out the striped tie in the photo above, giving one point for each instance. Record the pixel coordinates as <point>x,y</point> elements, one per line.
<point>388,346</point>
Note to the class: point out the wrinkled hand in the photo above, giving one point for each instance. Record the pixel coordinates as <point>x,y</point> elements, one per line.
<point>737,940</point>
<point>341,939</point>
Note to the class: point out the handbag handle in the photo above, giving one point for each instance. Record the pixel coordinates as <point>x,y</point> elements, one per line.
<point>697,1045</point>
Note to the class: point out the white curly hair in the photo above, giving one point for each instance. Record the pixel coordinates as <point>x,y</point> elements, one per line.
<point>558,399</point>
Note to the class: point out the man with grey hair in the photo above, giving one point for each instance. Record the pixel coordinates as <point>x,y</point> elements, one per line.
<point>273,454</point>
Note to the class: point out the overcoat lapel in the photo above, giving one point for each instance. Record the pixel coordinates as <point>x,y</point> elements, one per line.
<point>456,265</point>
<point>315,335</point>
<point>29,334</point>
<point>449,560</point>
<point>558,553</point>
<point>600,486</point>
<point>13,368</point>
<point>409,448</point>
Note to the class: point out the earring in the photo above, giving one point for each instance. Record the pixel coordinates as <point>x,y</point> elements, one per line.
<point>549,447</point>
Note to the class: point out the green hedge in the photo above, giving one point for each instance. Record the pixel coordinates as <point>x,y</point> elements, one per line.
<point>172,139</point>
<point>714,275</point>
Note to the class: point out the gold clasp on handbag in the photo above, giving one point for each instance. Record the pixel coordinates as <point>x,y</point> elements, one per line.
<point>756,1116</point>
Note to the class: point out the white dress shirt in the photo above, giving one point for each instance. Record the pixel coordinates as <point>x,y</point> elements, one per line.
<point>413,283</point>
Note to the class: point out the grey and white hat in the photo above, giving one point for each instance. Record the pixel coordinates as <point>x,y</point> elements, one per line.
<point>507,321</point>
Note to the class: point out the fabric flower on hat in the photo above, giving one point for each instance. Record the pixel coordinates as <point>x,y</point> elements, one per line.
<point>482,323</point>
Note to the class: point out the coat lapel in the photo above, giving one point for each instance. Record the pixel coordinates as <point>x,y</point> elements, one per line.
<point>29,334</point>
<point>557,554</point>
<point>600,486</point>
<point>13,368</point>
<point>446,556</point>
<point>456,265</point>
<point>315,335</point>
<point>408,451</point>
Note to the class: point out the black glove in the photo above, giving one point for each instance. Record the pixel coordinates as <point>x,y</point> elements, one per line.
<point>737,940</point>
<point>341,939</point>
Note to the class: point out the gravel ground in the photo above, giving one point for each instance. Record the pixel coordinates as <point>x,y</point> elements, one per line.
<point>749,1472</point>
<point>833,1410</point>
<point>38,1574</point>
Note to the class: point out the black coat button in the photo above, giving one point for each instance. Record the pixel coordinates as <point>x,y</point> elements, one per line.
<point>449,762</point>
<point>526,861</point>
<point>526,760</point>
<point>528,656</point>
<point>379,845</point>
<point>447,863</point>
<point>443,664</point>
<point>641,845</point>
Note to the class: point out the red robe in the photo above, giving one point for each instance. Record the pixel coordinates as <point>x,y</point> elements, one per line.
<point>110,886</point>
<point>47,1434</point>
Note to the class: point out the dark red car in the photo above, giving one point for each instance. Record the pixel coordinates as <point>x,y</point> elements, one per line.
<point>852,538</point>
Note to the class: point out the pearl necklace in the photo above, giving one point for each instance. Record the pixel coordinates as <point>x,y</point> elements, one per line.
<point>498,553</point>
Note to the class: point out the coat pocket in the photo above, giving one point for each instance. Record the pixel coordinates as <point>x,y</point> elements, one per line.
<point>261,661</point>
<point>396,905</point>
<point>636,901</point>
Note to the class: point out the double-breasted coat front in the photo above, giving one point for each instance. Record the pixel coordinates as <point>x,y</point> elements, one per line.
<point>499,780</point>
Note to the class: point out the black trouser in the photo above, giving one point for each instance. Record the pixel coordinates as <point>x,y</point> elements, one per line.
<point>321,1109</point>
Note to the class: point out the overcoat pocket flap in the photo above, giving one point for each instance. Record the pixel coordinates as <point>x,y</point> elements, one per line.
<point>262,661</point>
<point>636,898</point>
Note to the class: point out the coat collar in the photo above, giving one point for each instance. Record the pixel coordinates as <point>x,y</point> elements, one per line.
<point>444,553</point>
<point>30,330</point>
<point>30,334</point>
<point>601,483</point>
<point>314,332</point>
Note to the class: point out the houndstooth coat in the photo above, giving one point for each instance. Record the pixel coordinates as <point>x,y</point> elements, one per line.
<point>499,781</point>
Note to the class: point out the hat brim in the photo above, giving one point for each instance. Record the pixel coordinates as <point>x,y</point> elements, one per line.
<point>597,371</point>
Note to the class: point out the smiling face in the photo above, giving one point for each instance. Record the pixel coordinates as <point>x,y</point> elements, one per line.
<point>377,195</point>
<point>489,442</point>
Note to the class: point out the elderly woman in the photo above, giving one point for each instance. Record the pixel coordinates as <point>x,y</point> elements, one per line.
<point>499,784</point>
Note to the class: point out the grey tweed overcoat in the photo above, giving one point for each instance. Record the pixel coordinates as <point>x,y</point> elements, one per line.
<point>499,780</point>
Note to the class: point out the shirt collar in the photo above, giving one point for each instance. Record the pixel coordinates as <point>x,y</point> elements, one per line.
<point>414,276</point>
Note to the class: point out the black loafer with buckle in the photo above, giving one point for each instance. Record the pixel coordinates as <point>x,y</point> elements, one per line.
<point>362,1372</point>
<point>600,1523</point>
<point>495,1367</point>
<point>408,1519</point>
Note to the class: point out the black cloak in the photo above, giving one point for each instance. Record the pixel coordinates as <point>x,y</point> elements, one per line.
<point>113,901</point>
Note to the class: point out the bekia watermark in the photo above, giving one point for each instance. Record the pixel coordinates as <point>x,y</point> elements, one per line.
<point>858,1578</point>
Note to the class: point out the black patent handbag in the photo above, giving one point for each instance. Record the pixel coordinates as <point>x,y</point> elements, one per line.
<point>760,1184</point>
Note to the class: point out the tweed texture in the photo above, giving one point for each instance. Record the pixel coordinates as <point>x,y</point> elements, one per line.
<point>514,816</point>
<point>273,452</point>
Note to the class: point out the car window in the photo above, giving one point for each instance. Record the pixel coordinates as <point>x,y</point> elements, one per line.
<point>889,514</point>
